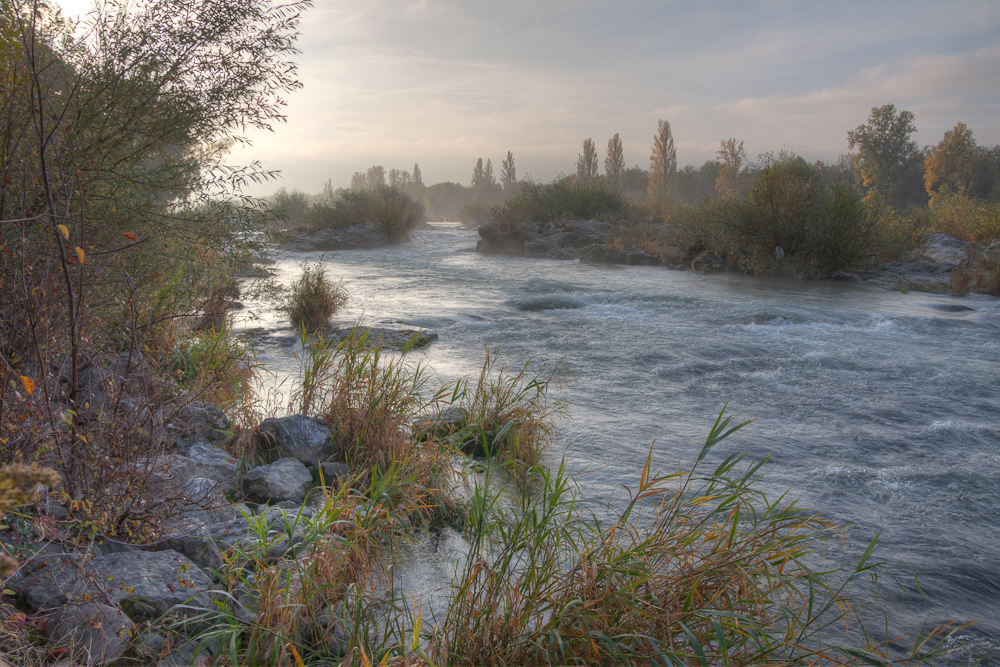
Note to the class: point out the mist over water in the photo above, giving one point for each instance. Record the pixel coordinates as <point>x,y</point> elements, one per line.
<point>878,409</point>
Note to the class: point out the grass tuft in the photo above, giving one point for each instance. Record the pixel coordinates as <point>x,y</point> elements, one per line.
<point>314,299</point>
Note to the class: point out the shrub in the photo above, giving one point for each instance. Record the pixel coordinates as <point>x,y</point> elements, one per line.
<point>818,228</point>
<point>390,209</point>
<point>313,299</point>
<point>558,202</point>
<point>964,218</point>
<point>394,212</point>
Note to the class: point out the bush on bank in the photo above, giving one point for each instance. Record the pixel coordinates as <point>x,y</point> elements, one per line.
<point>788,220</point>
<point>386,208</point>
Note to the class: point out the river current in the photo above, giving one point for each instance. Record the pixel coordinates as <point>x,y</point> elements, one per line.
<point>879,409</point>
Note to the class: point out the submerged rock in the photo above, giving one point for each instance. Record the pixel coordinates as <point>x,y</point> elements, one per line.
<point>396,338</point>
<point>357,236</point>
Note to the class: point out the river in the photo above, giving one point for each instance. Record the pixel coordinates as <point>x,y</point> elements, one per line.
<point>879,409</point>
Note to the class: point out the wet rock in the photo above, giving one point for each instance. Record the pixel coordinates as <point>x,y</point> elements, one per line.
<point>441,424</point>
<point>306,439</point>
<point>397,338</point>
<point>357,236</point>
<point>94,634</point>
<point>599,254</point>
<point>285,479</point>
<point>639,257</point>
<point>707,262</point>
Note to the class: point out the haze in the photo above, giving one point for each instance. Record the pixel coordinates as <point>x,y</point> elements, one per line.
<point>442,83</point>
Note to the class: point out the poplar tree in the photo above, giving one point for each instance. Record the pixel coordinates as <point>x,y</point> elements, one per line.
<point>508,175</point>
<point>732,154</point>
<point>662,163</point>
<point>614,163</point>
<point>586,162</point>
<point>375,178</point>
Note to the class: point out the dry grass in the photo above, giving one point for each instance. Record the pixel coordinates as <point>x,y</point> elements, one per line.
<point>313,299</point>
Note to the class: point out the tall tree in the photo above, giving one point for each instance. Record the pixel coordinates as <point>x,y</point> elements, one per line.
<point>950,167</point>
<point>358,181</point>
<point>488,177</point>
<point>416,188</point>
<point>508,175</point>
<point>885,151</point>
<point>375,178</point>
<point>418,179</point>
<point>662,162</point>
<point>614,163</point>
<point>732,154</point>
<point>586,162</point>
<point>478,178</point>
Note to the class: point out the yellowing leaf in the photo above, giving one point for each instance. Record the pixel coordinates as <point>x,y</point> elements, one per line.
<point>29,384</point>
<point>79,254</point>
<point>65,231</point>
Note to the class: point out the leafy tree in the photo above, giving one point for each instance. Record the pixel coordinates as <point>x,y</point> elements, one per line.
<point>508,175</point>
<point>375,178</point>
<point>358,182</point>
<point>951,166</point>
<point>614,163</point>
<point>732,155</point>
<point>662,163</point>
<point>488,173</point>
<point>399,178</point>
<point>416,188</point>
<point>484,184</point>
<point>885,152</point>
<point>116,213</point>
<point>586,162</point>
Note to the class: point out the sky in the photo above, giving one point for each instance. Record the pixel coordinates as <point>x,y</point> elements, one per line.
<point>444,82</point>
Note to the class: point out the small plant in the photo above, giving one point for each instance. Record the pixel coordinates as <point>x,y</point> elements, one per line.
<point>313,299</point>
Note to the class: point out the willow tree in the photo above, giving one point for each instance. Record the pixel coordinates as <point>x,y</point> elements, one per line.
<point>662,163</point>
<point>116,212</point>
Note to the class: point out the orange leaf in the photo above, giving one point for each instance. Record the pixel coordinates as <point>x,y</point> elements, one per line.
<point>29,384</point>
<point>130,236</point>
<point>79,254</point>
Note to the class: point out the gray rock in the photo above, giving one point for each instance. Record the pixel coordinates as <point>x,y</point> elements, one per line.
<point>397,338</point>
<point>639,257</point>
<point>197,422</point>
<point>307,439</point>
<point>95,634</point>
<point>144,584</point>
<point>537,248</point>
<point>285,479</point>
<point>944,249</point>
<point>201,461</point>
<point>354,236</point>
<point>332,473</point>
<point>599,254</point>
<point>441,424</point>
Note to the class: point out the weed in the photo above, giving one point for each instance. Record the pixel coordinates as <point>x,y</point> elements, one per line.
<point>313,299</point>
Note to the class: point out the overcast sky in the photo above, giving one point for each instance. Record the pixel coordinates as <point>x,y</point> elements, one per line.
<point>442,82</point>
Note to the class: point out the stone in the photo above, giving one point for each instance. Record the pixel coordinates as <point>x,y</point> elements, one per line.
<point>332,473</point>
<point>599,254</point>
<point>285,479</point>
<point>144,584</point>
<point>639,257</point>
<point>707,262</point>
<point>197,422</point>
<point>95,634</point>
<point>307,439</point>
<point>201,461</point>
<point>944,249</point>
<point>441,424</point>
<point>397,338</point>
<point>357,236</point>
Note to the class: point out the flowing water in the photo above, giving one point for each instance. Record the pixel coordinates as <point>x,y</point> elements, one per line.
<point>880,409</point>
